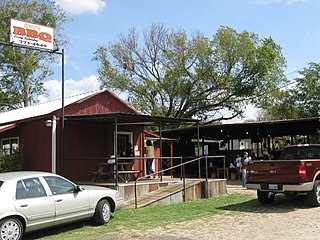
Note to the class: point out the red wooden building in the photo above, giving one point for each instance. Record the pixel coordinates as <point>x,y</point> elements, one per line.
<point>97,125</point>
<point>37,130</point>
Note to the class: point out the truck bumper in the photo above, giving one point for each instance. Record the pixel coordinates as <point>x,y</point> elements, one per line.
<point>302,187</point>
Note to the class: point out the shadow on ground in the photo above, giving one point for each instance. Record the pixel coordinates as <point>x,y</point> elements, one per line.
<point>280,205</point>
<point>59,229</point>
<point>55,231</point>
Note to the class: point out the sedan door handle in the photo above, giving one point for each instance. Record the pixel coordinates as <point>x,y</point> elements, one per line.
<point>59,200</point>
<point>24,205</point>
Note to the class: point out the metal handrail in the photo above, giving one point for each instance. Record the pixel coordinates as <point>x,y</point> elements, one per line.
<point>182,175</point>
<point>145,158</point>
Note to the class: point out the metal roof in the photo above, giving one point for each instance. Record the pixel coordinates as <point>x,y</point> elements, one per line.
<point>44,109</point>
<point>6,127</point>
<point>41,109</point>
<point>253,130</point>
<point>129,119</point>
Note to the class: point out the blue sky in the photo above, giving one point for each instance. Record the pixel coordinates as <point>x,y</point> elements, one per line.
<point>293,24</point>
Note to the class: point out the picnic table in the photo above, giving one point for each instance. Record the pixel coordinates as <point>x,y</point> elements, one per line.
<point>125,172</point>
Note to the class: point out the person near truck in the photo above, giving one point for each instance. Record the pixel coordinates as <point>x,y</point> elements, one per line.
<point>243,167</point>
<point>237,161</point>
<point>265,154</point>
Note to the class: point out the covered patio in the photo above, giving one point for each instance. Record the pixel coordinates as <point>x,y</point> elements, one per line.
<point>222,138</point>
<point>120,121</point>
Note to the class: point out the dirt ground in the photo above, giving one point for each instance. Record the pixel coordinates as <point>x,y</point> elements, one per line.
<point>285,219</point>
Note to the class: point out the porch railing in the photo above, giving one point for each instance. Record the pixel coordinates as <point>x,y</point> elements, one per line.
<point>182,173</point>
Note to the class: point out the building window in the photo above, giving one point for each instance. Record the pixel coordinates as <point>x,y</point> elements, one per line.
<point>124,138</point>
<point>8,145</point>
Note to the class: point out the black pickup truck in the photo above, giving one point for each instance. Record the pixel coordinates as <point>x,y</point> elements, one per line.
<point>296,171</point>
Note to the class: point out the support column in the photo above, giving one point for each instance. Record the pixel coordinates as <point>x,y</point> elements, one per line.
<point>54,145</point>
<point>115,148</point>
<point>160,131</point>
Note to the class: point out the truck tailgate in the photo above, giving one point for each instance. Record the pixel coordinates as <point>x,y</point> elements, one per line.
<point>276,171</point>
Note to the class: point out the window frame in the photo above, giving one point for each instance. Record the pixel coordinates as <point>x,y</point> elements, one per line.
<point>26,185</point>
<point>11,148</point>
<point>50,179</point>
<point>123,147</point>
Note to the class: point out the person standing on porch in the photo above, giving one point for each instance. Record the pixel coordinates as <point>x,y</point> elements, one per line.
<point>150,156</point>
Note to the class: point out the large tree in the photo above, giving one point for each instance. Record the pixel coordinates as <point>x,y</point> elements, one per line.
<point>169,73</point>
<point>300,99</point>
<point>282,105</point>
<point>307,91</point>
<point>22,71</point>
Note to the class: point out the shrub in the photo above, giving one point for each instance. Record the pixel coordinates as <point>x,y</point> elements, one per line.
<point>13,162</point>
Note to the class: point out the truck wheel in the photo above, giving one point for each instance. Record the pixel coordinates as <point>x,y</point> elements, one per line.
<point>265,197</point>
<point>314,195</point>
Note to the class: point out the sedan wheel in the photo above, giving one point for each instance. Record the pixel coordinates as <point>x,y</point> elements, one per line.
<point>11,229</point>
<point>102,214</point>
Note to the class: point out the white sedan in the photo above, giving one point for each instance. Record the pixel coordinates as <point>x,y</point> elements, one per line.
<point>31,201</point>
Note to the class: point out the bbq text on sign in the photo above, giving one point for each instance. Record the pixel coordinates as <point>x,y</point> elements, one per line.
<point>31,35</point>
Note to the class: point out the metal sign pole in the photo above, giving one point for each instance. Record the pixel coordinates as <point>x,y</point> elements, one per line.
<point>62,116</point>
<point>62,98</point>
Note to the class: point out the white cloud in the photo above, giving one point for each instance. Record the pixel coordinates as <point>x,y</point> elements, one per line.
<point>267,2</point>
<point>251,112</point>
<point>82,6</point>
<point>71,87</point>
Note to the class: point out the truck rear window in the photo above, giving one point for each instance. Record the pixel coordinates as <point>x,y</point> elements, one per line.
<point>303,152</point>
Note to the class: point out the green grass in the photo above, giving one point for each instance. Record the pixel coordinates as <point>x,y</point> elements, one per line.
<point>149,217</point>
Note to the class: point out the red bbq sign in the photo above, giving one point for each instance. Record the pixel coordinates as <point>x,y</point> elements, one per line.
<point>31,35</point>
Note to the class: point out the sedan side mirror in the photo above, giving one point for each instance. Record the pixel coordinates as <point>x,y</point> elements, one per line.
<point>77,188</point>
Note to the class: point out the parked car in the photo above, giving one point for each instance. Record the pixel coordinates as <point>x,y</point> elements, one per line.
<point>36,200</point>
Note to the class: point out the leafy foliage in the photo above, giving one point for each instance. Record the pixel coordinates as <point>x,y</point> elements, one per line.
<point>13,162</point>
<point>301,100</point>
<point>170,74</point>
<point>282,105</point>
<point>307,91</point>
<point>23,70</point>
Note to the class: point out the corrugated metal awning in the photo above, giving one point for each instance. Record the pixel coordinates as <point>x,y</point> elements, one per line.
<point>42,109</point>
<point>253,130</point>
<point>7,127</point>
<point>130,119</point>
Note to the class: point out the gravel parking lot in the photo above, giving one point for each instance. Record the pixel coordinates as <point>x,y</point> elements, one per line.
<point>285,219</point>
